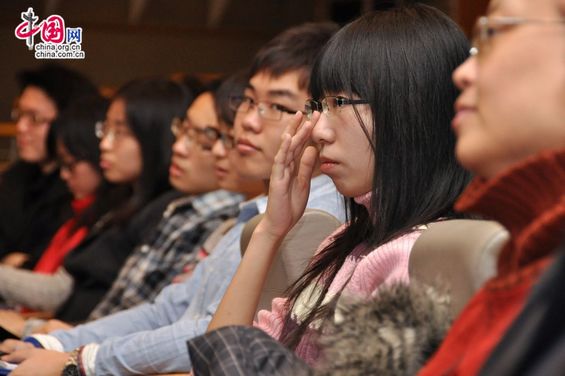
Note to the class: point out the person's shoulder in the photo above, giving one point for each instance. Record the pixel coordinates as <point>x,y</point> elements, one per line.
<point>160,203</point>
<point>19,173</point>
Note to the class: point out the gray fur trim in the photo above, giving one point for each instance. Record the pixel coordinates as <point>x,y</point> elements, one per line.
<point>394,334</point>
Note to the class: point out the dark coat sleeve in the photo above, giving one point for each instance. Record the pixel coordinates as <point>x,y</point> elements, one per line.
<point>32,208</point>
<point>96,262</point>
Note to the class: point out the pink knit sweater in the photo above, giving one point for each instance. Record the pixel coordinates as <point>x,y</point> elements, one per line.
<point>368,270</point>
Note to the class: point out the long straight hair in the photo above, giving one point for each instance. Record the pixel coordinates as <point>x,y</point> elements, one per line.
<point>151,105</point>
<point>74,128</point>
<point>399,59</point>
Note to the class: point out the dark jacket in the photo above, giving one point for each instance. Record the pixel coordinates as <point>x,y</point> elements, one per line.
<point>535,342</point>
<point>96,262</point>
<point>32,208</point>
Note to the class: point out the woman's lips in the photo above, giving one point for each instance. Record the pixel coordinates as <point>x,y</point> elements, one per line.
<point>327,166</point>
<point>461,111</point>
<point>175,170</point>
<point>104,164</point>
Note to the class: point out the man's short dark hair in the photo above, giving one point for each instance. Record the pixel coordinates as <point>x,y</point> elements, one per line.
<point>294,49</point>
<point>61,84</point>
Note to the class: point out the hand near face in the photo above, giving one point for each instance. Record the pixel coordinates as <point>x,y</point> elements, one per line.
<point>37,362</point>
<point>289,184</point>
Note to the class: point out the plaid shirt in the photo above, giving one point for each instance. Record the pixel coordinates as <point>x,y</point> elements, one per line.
<point>173,244</point>
<point>243,351</point>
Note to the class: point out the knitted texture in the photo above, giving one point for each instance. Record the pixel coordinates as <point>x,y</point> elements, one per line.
<point>529,200</point>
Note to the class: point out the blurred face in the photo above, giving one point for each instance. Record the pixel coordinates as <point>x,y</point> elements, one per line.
<point>226,161</point>
<point>120,152</point>
<point>192,164</point>
<point>258,139</point>
<point>81,177</point>
<point>513,91</point>
<point>346,155</point>
<point>34,113</point>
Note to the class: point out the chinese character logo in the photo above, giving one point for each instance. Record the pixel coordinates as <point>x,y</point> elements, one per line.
<point>26,29</point>
<point>58,42</point>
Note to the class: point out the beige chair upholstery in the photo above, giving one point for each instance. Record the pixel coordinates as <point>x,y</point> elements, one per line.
<point>295,252</point>
<point>459,254</point>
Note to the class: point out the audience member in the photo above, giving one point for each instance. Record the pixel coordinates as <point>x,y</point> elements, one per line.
<point>135,151</point>
<point>34,201</point>
<point>381,124</point>
<point>151,338</point>
<point>516,149</point>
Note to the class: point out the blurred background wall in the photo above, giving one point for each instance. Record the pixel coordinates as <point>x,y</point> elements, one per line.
<point>125,39</point>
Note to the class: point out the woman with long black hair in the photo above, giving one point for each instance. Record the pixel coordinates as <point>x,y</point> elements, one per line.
<point>380,119</point>
<point>135,149</point>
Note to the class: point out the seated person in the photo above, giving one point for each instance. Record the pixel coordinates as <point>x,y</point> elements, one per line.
<point>79,158</point>
<point>135,153</point>
<point>177,241</point>
<point>34,201</point>
<point>365,124</point>
<point>517,151</point>
<point>151,338</point>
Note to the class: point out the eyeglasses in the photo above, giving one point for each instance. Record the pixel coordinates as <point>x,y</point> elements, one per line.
<point>268,111</point>
<point>329,105</point>
<point>35,119</point>
<point>68,166</point>
<point>113,132</point>
<point>488,27</point>
<point>214,135</point>
<point>181,127</point>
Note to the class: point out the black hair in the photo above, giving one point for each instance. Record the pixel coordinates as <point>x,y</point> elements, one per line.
<point>294,49</point>
<point>151,105</point>
<point>400,60</point>
<point>63,85</point>
<point>232,85</point>
<point>75,130</point>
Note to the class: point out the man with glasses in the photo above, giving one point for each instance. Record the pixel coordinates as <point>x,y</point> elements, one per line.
<point>151,338</point>
<point>34,202</point>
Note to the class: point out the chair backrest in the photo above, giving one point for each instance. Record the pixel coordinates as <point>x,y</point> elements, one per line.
<point>460,254</point>
<point>295,252</point>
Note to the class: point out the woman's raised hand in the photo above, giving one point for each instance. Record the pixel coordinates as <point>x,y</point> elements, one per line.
<point>292,171</point>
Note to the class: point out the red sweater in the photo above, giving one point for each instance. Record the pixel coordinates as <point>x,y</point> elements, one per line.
<point>64,240</point>
<point>529,200</point>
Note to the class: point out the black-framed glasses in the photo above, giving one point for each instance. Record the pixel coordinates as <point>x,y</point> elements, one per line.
<point>214,135</point>
<point>111,131</point>
<point>330,104</point>
<point>182,128</point>
<point>36,120</point>
<point>268,111</point>
<point>487,27</point>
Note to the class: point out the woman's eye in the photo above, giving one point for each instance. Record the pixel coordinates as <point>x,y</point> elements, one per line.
<point>340,102</point>
<point>491,31</point>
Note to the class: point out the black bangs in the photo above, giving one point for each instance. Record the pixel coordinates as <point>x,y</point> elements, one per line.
<point>334,70</point>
